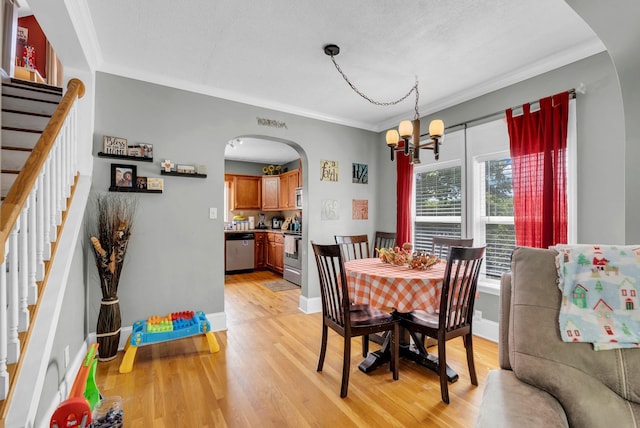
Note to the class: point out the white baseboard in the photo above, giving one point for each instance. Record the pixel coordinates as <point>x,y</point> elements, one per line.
<point>486,329</point>
<point>310,305</point>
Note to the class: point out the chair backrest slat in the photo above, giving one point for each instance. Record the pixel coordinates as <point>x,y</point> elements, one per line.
<point>384,240</point>
<point>354,246</point>
<point>440,245</point>
<point>459,287</point>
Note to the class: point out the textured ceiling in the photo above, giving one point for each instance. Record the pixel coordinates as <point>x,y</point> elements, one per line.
<point>270,53</point>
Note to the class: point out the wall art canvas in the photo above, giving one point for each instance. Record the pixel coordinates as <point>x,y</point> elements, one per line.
<point>328,170</point>
<point>360,209</point>
<point>330,210</point>
<point>360,173</point>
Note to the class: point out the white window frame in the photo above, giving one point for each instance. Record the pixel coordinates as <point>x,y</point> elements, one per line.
<point>480,221</point>
<point>421,168</point>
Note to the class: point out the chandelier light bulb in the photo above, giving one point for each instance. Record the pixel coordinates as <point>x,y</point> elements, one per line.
<point>405,128</point>
<point>436,128</point>
<point>392,138</point>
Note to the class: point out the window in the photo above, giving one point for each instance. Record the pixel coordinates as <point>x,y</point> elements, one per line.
<point>477,159</point>
<point>438,204</point>
<point>494,218</point>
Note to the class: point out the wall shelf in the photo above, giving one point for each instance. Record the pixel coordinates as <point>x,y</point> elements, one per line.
<point>133,190</point>
<point>182,174</point>
<point>125,157</point>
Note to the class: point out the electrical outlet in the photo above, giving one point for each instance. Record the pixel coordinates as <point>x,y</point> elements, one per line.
<point>213,213</point>
<point>66,356</point>
<point>477,315</point>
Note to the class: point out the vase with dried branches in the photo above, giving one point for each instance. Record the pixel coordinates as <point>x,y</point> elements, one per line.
<point>109,235</point>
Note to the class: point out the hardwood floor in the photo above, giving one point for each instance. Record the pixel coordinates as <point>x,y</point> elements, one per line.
<point>265,375</point>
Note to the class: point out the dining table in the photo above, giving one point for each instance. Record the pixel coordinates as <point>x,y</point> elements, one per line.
<point>399,289</point>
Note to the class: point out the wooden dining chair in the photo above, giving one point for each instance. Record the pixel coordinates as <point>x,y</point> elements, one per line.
<point>384,240</point>
<point>354,246</point>
<point>440,245</point>
<point>455,315</point>
<point>345,319</point>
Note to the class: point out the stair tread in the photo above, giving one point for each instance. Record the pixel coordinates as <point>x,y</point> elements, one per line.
<point>33,85</point>
<point>28,113</point>
<point>17,148</point>
<point>37,100</point>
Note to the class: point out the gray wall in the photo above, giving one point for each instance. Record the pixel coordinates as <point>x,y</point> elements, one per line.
<point>601,148</point>
<point>175,260</point>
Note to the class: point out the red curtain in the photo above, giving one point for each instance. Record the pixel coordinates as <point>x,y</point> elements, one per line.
<point>404,187</point>
<point>538,159</point>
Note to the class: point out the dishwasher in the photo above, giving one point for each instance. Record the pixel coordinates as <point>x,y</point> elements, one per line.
<point>239,252</point>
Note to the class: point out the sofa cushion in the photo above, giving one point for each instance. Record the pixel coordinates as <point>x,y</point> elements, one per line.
<point>507,402</point>
<point>595,388</point>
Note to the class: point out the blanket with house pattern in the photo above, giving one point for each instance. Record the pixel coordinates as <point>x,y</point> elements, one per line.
<point>599,285</point>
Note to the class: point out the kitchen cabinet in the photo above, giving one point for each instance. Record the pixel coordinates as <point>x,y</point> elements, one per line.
<point>260,248</point>
<point>270,192</point>
<point>246,191</point>
<point>275,252</point>
<point>289,181</point>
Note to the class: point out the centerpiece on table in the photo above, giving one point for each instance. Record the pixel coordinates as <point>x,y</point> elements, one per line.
<point>109,235</point>
<point>404,256</point>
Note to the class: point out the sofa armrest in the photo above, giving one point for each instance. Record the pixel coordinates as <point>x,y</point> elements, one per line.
<point>508,402</point>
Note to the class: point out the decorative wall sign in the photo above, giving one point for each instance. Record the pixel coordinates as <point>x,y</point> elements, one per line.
<point>360,209</point>
<point>272,123</point>
<point>330,210</point>
<point>23,35</point>
<point>360,173</point>
<point>328,170</point>
<point>114,145</point>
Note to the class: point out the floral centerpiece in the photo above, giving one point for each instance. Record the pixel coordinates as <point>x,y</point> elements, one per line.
<point>406,257</point>
<point>109,236</point>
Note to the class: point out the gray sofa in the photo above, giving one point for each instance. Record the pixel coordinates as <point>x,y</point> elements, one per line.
<point>542,381</point>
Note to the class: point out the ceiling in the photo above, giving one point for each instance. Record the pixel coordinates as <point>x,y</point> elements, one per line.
<point>270,53</point>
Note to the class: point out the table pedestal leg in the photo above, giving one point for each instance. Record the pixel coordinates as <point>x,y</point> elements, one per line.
<point>383,356</point>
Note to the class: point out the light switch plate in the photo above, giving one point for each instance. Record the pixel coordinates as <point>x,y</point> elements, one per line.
<point>213,213</point>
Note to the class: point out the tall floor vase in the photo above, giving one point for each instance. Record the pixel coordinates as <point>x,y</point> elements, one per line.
<point>108,329</point>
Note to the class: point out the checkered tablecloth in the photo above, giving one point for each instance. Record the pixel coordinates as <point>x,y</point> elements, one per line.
<point>386,286</point>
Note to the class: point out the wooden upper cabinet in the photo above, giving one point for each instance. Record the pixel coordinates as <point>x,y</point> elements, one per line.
<point>247,192</point>
<point>289,181</point>
<point>270,192</point>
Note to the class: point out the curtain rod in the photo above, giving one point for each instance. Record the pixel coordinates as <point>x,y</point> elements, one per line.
<point>572,95</point>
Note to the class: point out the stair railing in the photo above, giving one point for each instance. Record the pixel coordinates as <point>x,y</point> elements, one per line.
<point>29,220</point>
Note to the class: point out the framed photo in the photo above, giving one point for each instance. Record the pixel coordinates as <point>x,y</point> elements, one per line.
<point>154,183</point>
<point>123,175</point>
<point>114,145</point>
<point>186,169</point>
<point>141,183</point>
<point>135,151</point>
<point>147,150</point>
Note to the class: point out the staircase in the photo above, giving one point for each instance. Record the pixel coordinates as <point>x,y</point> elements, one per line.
<point>39,178</point>
<point>27,107</point>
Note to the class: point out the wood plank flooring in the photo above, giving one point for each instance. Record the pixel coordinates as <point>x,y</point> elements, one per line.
<point>265,375</point>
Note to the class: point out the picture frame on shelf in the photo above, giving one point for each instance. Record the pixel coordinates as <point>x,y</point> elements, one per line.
<point>155,183</point>
<point>114,145</point>
<point>141,183</point>
<point>141,150</point>
<point>185,169</point>
<point>123,175</point>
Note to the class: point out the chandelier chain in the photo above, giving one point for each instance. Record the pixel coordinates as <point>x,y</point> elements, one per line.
<point>380,103</point>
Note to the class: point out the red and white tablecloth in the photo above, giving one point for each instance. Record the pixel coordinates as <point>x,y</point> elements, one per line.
<point>383,285</point>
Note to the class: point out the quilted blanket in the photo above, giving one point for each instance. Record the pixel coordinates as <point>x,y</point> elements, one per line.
<point>600,302</point>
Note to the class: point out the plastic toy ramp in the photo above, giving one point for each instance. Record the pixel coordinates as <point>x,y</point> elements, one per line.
<point>76,410</point>
<point>158,329</point>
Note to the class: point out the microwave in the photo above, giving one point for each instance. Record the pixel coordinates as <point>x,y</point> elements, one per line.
<point>299,198</point>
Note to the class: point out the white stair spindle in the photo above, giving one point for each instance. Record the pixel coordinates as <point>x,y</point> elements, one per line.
<point>32,295</point>
<point>23,269</point>
<point>4,374</point>
<point>46,214</point>
<point>40,228</point>
<point>13,343</point>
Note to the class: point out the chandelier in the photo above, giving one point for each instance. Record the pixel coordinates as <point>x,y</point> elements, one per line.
<point>408,132</point>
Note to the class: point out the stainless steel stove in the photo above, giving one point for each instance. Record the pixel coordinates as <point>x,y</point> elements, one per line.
<point>293,257</point>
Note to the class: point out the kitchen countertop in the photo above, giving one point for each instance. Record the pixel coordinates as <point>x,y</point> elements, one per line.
<point>258,230</point>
